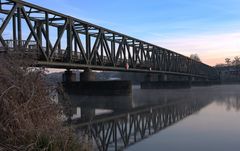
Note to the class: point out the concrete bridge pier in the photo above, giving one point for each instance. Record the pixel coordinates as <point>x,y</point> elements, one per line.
<point>87,75</point>
<point>164,82</point>
<point>194,81</point>
<point>191,79</point>
<point>163,77</point>
<point>151,77</point>
<point>89,86</point>
<point>69,76</point>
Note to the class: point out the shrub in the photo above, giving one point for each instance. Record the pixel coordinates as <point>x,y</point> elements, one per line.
<point>29,119</point>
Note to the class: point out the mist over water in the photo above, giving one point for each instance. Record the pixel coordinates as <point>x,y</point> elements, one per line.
<point>211,120</point>
<point>216,127</point>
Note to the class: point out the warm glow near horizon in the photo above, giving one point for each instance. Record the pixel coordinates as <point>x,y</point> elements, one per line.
<point>212,49</point>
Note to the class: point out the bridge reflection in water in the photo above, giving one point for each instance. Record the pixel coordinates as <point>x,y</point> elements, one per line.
<point>121,129</point>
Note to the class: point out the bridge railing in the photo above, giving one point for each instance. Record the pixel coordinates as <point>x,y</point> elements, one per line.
<point>22,44</point>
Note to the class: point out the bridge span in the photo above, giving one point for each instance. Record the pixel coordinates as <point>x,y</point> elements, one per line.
<point>61,41</point>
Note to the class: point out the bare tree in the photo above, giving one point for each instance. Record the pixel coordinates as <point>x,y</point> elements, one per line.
<point>236,61</point>
<point>195,57</point>
<point>228,61</point>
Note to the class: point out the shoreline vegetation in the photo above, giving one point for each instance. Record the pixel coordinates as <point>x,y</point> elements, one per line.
<point>29,119</point>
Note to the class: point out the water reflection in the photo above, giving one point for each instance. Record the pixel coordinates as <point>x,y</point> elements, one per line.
<point>121,130</point>
<point>118,125</point>
<point>216,127</point>
<point>231,103</point>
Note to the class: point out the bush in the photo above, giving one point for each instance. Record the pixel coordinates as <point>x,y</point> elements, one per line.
<point>29,119</point>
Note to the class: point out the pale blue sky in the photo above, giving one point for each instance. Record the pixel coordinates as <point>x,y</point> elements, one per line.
<point>210,28</point>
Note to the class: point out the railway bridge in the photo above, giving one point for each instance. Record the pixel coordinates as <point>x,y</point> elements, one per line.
<point>56,40</point>
<point>61,41</point>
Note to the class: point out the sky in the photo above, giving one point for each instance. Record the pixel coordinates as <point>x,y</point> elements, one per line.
<point>209,28</point>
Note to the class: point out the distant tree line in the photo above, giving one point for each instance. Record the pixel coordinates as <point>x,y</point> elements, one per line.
<point>230,62</point>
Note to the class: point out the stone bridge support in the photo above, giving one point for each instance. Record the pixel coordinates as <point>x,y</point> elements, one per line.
<point>69,76</point>
<point>87,75</point>
<point>163,81</point>
<point>163,77</point>
<point>89,86</point>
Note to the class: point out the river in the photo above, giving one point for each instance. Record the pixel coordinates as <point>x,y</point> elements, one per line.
<point>195,119</point>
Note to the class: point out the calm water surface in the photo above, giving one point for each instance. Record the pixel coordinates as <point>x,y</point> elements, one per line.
<point>215,127</point>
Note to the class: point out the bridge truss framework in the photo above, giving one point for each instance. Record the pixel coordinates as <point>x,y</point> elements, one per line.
<point>62,41</point>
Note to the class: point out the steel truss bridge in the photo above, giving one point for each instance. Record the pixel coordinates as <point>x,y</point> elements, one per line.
<point>117,132</point>
<point>62,41</point>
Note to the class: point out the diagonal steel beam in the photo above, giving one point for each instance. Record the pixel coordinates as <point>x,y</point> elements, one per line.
<point>58,39</point>
<point>47,39</point>
<point>137,50</point>
<point>129,54</point>
<point>95,46</point>
<point>33,32</point>
<point>6,21</point>
<point>107,48</point>
<point>29,37</point>
<point>76,36</point>
<point>119,50</point>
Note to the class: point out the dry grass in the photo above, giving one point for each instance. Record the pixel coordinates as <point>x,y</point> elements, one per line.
<point>29,119</point>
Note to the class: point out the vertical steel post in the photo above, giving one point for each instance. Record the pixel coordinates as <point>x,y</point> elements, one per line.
<point>39,33</point>
<point>134,58</point>
<point>124,51</point>
<point>88,43</point>
<point>47,34</point>
<point>59,45</point>
<point>101,42</point>
<point>113,48</point>
<point>69,40</point>
<point>14,32</point>
<point>141,50</point>
<point>59,34</point>
<point>75,47</point>
<point>19,23</point>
